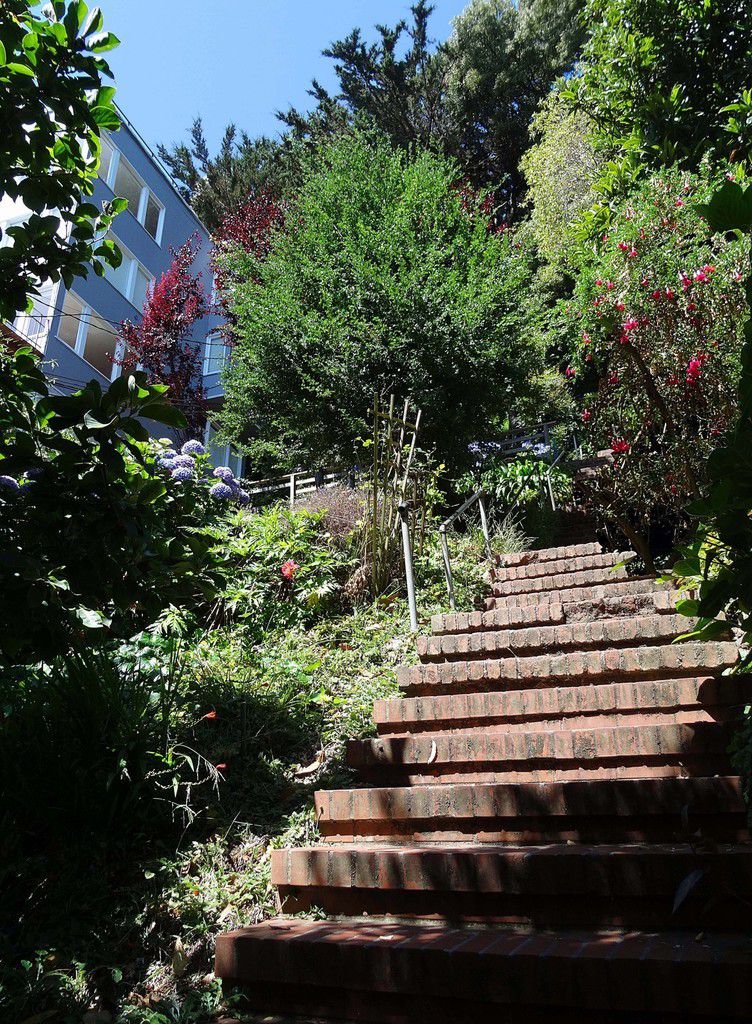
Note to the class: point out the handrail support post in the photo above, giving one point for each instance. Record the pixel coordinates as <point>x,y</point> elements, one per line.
<point>407,550</point>
<point>447,565</point>
<point>484,524</point>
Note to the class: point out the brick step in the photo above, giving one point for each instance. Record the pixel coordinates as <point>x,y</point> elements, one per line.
<point>505,616</point>
<point>643,630</point>
<point>524,673</point>
<point>548,554</point>
<point>482,756</point>
<point>560,566</point>
<point>561,581</point>
<point>411,974</point>
<point>567,707</point>
<point>556,885</point>
<point>612,588</point>
<point>618,810</point>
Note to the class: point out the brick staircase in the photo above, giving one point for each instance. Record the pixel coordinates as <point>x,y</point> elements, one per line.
<point>554,775</point>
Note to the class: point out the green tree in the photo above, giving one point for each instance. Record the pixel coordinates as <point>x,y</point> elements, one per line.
<point>502,59</point>
<point>657,75</point>
<point>51,74</point>
<point>388,280</point>
<point>216,186</point>
<point>560,168</point>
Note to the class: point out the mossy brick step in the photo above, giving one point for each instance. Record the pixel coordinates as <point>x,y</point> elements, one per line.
<point>569,593</point>
<point>659,602</point>
<point>419,974</point>
<point>544,756</point>
<point>608,885</point>
<point>641,630</point>
<point>556,567</point>
<point>548,554</point>
<point>561,581</point>
<point>611,810</point>
<point>574,668</point>
<point>567,707</point>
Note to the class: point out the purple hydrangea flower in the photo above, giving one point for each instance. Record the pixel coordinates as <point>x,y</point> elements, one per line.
<point>242,497</point>
<point>9,483</point>
<point>181,473</point>
<point>165,463</point>
<point>183,460</point>
<point>221,490</point>
<point>193,448</point>
<point>224,473</point>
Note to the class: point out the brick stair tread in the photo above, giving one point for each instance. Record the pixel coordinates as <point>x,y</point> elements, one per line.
<point>557,567</point>
<point>569,594</point>
<point>481,806</point>
<point>553,613</point>
<point>576,745</point>
<point>616,632</point>
<point>548,554</point>
<point>558,704</point>
<point>611,664</point>
<point>468,968</point>
<point>560,581</point>
<point>553,869</point>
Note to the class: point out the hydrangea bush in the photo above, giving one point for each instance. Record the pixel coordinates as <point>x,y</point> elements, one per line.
<point>191,466</point>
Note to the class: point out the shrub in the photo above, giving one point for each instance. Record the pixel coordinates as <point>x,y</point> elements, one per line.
<point>656,324</point>
<point>386,273</point>
<point>94,542</point>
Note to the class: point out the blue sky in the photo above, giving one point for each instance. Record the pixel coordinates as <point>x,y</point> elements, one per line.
<point>233,61</point>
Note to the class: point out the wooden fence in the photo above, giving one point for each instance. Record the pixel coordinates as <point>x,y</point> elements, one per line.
<point>296,485</point>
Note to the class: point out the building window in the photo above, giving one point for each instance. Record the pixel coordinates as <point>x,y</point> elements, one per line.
<point>216,352</point>
<point>33,326</point>
<point>222,454</point>
<point>90,336</point>
<point>124,180</point>
<point>130,278</point>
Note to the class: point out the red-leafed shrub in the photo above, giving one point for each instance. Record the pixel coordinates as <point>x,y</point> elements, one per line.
<point>161,343</point>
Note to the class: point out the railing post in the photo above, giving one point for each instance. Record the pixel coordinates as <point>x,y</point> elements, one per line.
<point>484,524</point>
<point>292,490</point>
<point>447,565</point>
<point>318,478</point>
<point>551,492</point>
<point>409,575</point>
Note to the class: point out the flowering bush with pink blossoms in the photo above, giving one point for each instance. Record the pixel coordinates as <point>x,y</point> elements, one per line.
<point>655,328</point>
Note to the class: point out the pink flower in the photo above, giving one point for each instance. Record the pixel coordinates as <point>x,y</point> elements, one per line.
<point>632,253</point>
<point>586,338</point>
<point>620,305</point>
<point>629,325</point>
<point>570,373</point>
<point>670,294</point>
<point>586,415</point>
<point>700,276</point>
<point>221,767</point>
<point>610,285</point>
<point>289,568</point>
<point>679,202</point>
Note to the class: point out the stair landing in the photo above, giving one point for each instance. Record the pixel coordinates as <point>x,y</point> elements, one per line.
<point>551,830</point>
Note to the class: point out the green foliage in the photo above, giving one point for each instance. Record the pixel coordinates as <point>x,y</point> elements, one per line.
<point>390,275</point>
<point>656,76</point>
<point>51,74</point>
<point>522,479</point>
<point>255,548</point>
<point>560,168</point>
<point>94,541</point>
<point>500,62</point>
<point>717,564</point>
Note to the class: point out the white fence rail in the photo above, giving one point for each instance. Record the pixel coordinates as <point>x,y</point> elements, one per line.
<point>295,485</point>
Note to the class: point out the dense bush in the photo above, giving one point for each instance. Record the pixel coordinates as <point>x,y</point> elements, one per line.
<point>388,274</point>
<point>93,540</point>
<point>656,324</point>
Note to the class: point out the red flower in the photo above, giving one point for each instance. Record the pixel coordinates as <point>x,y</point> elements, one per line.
<point>221,767</point>
<point>570,373</point>
<point>656,294</point>
<point>210,716</point>
<point>614,378</point>
<point>632,253</point>
<point>586,415</point>
<point>610,285</point>
<point>624,246</point>
<point>619,446</point>
<point>289,568</point>
<point>629,325</point>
